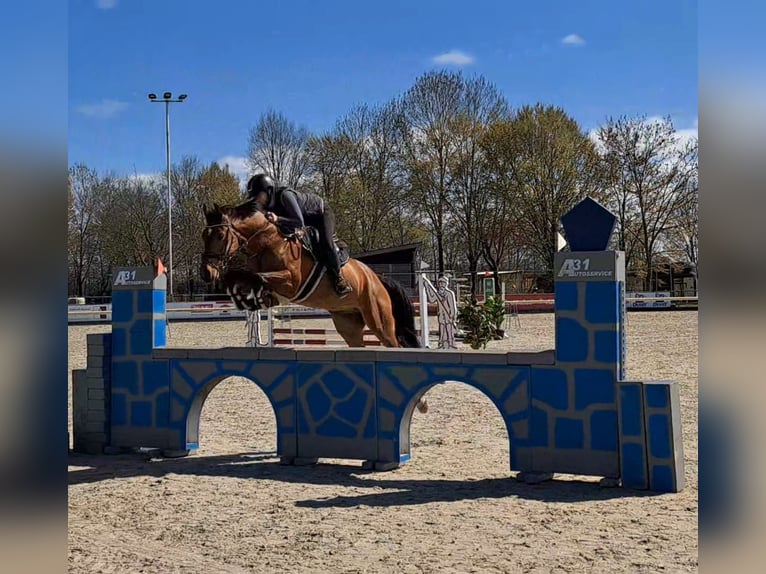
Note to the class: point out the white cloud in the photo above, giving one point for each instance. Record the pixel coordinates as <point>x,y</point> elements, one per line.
<point>106,4</point>
<point>453,58</point>
<point>686,135</point>
<point>147,177</point>
<point>103,110</point>
<point>238,166</point>
<point>683,135</point>
<point>573,40</point>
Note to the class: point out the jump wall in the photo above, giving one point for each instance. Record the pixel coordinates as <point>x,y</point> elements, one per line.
<point>569,410</point>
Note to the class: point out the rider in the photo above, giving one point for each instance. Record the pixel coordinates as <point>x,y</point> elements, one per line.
<point>302,208</point>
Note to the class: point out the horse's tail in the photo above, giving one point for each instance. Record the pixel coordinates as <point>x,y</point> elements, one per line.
<point>404,313</point>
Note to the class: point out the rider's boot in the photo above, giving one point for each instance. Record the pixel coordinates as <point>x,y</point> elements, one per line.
<point>342,288</point>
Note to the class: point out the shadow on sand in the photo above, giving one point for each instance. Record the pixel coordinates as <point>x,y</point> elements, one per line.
<point>388,491</point>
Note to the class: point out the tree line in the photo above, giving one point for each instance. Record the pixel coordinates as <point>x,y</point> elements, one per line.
<point>447,163</point>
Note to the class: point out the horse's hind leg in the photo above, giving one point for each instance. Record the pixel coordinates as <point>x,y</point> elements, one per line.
<point>381,322</point>
<point>350,326</point>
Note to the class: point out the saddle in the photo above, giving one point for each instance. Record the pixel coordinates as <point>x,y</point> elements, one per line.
<point>310,242</point>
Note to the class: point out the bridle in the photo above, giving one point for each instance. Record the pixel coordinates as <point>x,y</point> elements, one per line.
<point>241,239</point>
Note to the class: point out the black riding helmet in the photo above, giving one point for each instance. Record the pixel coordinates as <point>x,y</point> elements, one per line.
<point>261,183</point>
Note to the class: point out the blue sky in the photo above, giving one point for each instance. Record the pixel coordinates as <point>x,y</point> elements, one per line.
<point>314,60</point>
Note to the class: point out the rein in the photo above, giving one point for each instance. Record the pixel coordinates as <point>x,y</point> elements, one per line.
<point>243,241</point>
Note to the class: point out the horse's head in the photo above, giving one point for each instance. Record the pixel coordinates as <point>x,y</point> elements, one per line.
<point>227,234</point>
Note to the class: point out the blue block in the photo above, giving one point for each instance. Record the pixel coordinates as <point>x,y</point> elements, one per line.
<point>571,341</point>
<point>658,431</point>
<point>338,384</point>
<point>593,386</point>
<point>160,333</point>
<point>145,302</point>
<point>569,433</point>
<point>364,372</point>
<point>549,386</point>
<point>141,341</point>
<point>119,342</point>
<point>353,409</point>
<point>662,479</point>
<point>319,403</point>
<point>633,466</point>
<point>119,412</point>
<point>336,428</point>
<point>565,297</point>
<point>371,429</point>
<point>122,306</point>
<point>657,396</point>
<point>631,411</point>
<point>156,376</point>
<point>607,346</point>
<point>162,410</point>
<point>107,341</point>
<point>125,376</point>
<point>538,428</point>
<point>141,414</point>
<point>159,301</point>
<point>603,430</point>
<point>602,302</point>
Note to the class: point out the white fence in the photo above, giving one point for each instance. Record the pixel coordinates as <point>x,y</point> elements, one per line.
<point>649,300</point>
<point>211,310</point>
<point>202,310</point>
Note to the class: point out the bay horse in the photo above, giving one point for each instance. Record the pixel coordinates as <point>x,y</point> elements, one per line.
<point>262,263</point>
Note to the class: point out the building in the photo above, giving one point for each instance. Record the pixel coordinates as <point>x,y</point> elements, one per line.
<point>402,264</point>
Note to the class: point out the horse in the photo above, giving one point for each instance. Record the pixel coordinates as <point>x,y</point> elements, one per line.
<point>262,263</point>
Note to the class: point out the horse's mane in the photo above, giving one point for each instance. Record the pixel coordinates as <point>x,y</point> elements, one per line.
<point>234,212</point>
<point>243,211</point>
<point>246,209</point>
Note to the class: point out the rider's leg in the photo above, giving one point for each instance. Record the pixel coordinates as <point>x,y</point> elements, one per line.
<point>326,227</point>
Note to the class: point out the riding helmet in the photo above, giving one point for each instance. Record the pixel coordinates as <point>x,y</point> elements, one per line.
<point>260,183</point>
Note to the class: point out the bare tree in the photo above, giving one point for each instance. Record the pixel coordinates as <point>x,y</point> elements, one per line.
<point>550,163</point>
<point>503,240</point>
<point>657,174</point>
<point>279,148</point>
<point>682,237</point>
<point>133,221</point>
<point>470,196</point>
<point>357,168</point>
<point>372,173</point>
<point>328,155</point>
<point>83,187</point>
<point>187,220</point>
<point>429,110</point>
<point>620,200</point>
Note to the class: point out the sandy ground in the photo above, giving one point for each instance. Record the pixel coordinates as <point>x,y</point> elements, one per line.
<point>455,507</point>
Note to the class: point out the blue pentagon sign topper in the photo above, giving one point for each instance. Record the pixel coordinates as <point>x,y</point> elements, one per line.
<point>588,226</point>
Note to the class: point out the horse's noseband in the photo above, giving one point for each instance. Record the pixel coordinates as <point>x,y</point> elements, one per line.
<point>241,240</point>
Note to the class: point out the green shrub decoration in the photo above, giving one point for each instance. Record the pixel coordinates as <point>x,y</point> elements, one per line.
<point>481,323</point>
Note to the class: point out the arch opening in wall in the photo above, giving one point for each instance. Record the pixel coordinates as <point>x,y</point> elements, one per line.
<point>232,415</point>
<point>463,433</point>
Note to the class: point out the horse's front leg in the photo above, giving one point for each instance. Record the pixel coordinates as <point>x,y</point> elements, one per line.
<point>247,290</point>
<point>282,282</point>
